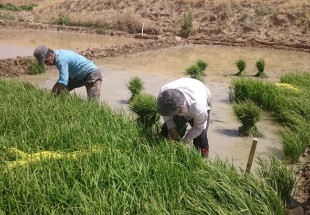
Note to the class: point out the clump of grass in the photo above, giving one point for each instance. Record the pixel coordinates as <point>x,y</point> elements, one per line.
<point>262,93</point>
<point>144,105</point>
<point>136,86</point>
<point>35,68</point>
<point>12,7</point>
<point>292,148</point>
<point>260,65</point>
<point>63,19</point>
<point>248,115</point>
<point>197,70</point>
<point>289,104</point>
<point>187,25</point>
<point>279,176</point>
<point>241,64</point>
<point>202,65</point>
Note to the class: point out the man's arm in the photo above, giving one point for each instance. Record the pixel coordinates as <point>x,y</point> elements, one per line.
<point>200,122</point>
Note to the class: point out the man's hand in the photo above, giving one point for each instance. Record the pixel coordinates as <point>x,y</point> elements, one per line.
<point>58,88</point>
<point>174,135</point>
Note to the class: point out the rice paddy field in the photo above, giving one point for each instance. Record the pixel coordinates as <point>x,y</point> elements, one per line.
<point>65,155</point>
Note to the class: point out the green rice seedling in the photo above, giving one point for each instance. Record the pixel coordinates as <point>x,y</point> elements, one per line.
<point>297,79</point>
<point>144,105</point>
<point>241,64</point>
<point>260,65</point>
<point>128,174</point>
<point>289,103</point>
<point>278,175</point>
<point>248,114</point>
<point>292,145</point>
<point>35,68</point>
<point>262,93</point>
<point>136,86</point>
<point>187,25</point>
<point>197,70</point>
<point>194,72</point>
<point>202,65</point>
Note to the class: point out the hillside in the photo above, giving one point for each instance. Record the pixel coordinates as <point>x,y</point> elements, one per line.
<point>277,23</point>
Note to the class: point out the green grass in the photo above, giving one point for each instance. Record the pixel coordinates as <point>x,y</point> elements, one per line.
<point>248,114</point>
<point>197,70</point>
<point>144,106</point>
<point>289,101</point>
<point>127,174</point>
<point>187,24</point>
<point>260,65</point>
<point>12,7</point>
<point>278,175</point>
<point>241,64</point>
<point>35,68</point>
<point>135,86</point>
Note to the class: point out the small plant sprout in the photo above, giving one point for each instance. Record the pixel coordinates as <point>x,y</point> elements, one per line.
<point>248,114</point>
<point>145,106</point>
<point>260,65</point>
<point>35,68</point>
<point>135,85</point>
<point>63,19</point>
<point>193,72</point>
<point>187,25</point>
<point>241,67</point>
<point>197,70</point>
<point>202,65</point>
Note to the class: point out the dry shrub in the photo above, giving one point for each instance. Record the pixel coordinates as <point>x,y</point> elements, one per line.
<point>194,3</point>
<point>129,22</point>
<point>223,6</point>
<point>291,4</point>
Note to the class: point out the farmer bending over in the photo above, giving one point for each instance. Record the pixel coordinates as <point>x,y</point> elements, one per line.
<point>74,70</point>
<point>188,99</point>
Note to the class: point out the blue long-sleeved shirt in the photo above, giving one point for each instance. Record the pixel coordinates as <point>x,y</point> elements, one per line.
<point>72,65</point>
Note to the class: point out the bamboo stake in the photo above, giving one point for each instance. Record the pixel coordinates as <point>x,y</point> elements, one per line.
<point>251,155</point>
<point>142,28</point>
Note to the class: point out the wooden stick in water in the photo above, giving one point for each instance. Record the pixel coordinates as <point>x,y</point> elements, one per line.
<point>251,155</point>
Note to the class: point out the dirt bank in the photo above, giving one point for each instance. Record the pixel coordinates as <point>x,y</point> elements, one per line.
<point>271,24</point>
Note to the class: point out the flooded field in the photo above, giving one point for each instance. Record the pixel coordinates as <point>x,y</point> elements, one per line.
<point>156,68</point>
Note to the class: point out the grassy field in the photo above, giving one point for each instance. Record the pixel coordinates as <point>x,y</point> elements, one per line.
<point>64,155</point>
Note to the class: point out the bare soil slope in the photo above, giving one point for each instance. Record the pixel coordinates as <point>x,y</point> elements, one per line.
<point>273,24</point>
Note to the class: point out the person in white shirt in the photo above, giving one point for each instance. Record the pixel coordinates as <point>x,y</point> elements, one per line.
<point>189,99</point>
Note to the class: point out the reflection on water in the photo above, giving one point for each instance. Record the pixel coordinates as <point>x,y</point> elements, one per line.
<point>221,60</point>
<point>14,43</point>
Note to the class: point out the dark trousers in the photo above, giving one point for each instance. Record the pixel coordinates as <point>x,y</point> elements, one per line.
<point>92,82</point>
<point>201,142</point>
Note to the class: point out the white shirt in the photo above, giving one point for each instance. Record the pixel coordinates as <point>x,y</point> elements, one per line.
<point>197,104</point>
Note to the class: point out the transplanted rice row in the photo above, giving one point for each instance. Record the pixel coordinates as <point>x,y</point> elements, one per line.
<point>127,174</point>
<point>290,103</point>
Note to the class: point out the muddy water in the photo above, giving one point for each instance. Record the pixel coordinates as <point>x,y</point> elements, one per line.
<point>156,68</point>
<point>13,43</point>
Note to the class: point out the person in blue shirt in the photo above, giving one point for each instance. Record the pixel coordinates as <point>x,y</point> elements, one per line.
<point>74,70</point>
